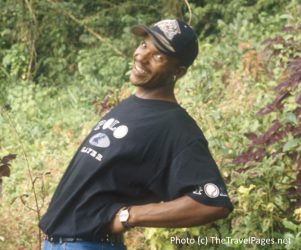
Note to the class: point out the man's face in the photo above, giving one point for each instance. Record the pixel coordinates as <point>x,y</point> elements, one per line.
<point>152,68</point>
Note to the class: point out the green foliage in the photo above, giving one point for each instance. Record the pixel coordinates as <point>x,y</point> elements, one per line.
<point>65,62</point>
<point>100,68</point>
<point>208,13</point>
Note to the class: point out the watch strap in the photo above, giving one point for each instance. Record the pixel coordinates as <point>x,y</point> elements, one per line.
<point>125,225</point>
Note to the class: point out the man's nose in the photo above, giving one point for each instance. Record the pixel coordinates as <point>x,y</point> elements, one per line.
<point>142,55</point>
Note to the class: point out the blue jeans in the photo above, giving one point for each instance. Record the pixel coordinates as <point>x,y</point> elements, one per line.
<point>83,245</point>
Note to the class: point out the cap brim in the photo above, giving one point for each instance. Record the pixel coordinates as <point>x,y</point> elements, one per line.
<point>140,30</point>
<point>159,41</point>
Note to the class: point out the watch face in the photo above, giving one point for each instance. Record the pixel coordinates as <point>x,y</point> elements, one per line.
<point>124,215</point>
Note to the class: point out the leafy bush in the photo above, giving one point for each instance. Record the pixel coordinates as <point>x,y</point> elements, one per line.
<point>65,63</point>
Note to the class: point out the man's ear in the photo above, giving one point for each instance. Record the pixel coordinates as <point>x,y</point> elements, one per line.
<point>181,71</point>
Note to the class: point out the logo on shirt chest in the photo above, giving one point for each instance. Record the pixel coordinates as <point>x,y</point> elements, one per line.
<point>100,140</point>
<point>119,131</point>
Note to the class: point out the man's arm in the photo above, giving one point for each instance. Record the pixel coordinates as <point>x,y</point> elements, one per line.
<point>181,212</point>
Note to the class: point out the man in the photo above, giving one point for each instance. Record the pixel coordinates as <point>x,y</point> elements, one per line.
<point>144,151</point>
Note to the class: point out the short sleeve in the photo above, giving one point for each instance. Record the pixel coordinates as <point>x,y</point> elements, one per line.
<point>193,172</point>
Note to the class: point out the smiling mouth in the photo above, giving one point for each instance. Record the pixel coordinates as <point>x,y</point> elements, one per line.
<point>139,70</point>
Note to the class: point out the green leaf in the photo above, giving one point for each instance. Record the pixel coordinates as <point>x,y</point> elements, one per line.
<point>289,225</point>
<point>290,144</point>
<point>290,117</point>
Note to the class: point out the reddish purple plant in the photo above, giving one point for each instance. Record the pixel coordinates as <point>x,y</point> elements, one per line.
<point>4,167</point>
<point>5,164</point>
<point>278,131</point>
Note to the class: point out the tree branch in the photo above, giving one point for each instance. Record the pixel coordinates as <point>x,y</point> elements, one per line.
<point>189,9</point>
<point>31,39</point>
<point>90,30</point>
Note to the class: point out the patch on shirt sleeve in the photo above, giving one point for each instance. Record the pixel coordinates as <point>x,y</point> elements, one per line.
<point>210,190</point>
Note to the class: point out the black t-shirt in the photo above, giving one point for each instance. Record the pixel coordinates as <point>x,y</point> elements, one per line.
<point>142,151</point>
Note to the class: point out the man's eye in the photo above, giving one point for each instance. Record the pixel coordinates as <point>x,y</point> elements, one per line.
<point>159,57</point>
<point>143,44</point>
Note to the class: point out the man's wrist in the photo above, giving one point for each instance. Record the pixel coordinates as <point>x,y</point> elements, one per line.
<point>124,217</point>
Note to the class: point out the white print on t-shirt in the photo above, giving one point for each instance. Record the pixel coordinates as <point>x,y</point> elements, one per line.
<point>100,140</point>
<point>198,191</point>
<point>118,131</point>
<point>92,153</point>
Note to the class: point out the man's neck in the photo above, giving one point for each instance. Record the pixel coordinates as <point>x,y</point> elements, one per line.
<point>155,94</point>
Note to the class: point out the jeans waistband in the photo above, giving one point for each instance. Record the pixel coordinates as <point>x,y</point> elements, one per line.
<point>106,238</point>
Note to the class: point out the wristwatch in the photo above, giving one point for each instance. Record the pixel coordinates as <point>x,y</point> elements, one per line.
<point>124,216</point>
